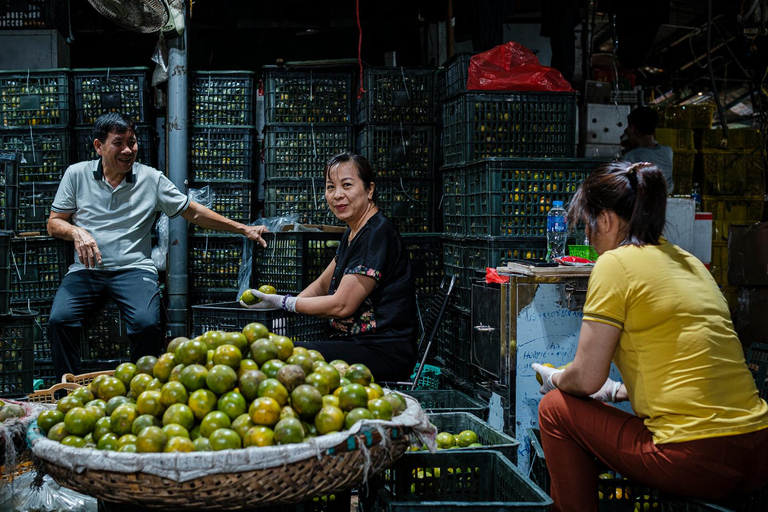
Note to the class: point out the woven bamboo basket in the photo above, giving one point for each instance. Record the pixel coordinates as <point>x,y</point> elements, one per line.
<point>360,455</point>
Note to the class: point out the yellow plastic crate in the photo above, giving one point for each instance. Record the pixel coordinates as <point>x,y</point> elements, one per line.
<point>682,170</point>
<point>733,172</point>
<point>727,210</point>
<point>719,265</point>
<point>676,138</point>
<point>741,138</point>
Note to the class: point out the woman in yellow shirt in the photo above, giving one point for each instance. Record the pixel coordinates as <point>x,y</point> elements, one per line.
<point>700,426</point>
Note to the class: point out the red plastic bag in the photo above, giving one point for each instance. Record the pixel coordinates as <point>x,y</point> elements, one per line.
<point>491,276</point>
<point>513,67</point>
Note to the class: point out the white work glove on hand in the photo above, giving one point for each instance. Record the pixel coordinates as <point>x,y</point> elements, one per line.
<point>608,392</point>
<point>272,301</point>
<point>546,377</point>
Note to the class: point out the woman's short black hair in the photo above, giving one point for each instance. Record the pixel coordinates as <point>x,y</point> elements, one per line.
<point>637,192</point>
<point>112,122</point>
<point>364,169</point>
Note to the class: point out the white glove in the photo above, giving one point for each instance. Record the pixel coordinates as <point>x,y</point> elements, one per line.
<point>546,377</point>
<point>608,392</point>
<point>272,301</point>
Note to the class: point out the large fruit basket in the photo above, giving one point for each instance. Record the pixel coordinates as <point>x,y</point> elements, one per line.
<point>235,479</point>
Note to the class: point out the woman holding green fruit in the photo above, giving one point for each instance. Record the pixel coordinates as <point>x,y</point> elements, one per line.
<point>367,292</point>
<point>700,428</point>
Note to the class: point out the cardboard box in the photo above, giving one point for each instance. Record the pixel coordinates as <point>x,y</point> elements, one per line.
<point>748,255</point>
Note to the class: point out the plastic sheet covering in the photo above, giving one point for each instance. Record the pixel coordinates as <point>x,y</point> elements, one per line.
<point>24,494</point>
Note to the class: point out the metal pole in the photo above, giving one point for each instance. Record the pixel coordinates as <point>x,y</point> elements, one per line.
<point>178,124</point>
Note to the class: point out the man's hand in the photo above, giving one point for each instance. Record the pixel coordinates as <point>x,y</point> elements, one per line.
<point>272,301</point>
<point>86,247</point>
<point>546,373</point>
<point>254,233</point>
<point>608,392</point>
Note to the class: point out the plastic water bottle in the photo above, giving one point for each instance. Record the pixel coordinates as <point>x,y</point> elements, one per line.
<point>696,196</point>
<point>557,231</point>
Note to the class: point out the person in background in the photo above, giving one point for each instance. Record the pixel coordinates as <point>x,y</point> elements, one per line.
<point>700,428</point>
<point>107,207</point>
<point>368,290</point>
<point>639,143</point>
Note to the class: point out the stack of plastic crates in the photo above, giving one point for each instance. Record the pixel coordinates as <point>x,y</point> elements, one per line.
<point>397,133</point>
<point>309,119</point>
<point>222,148</point>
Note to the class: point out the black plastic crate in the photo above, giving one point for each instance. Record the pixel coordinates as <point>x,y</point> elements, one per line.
<point>399,150</point>
<point>104,338</point>
<point>38,265</point>
<point>298,96</point>
<point>16,353</point>
<point>34,15</point>
<point>456,74</point>
<point>222,97</point>
<point>397,95</point>
<point>453,346</point>
<point>40,330</point>
<point>35,207</point>
<point>302,151</point>
<point>102,90</point>
<point>147,140</point>
<point>9,189</point>
<point>43,371</point>
<point>452,200</point>
<point>292,260</point>
<point>509,124</point>
<point>34,98</point>
<point>757,362</point>
<point>231,316</point>
<point>46,151</point>
<point>222,153</point>
<point>426,252</point>
<point>232,200</point>
<point>302,198</point>
<point>511,197</point>
<point>458,480</point>
<point>203,296</point>
<point>490,438</point>
<point>5,271</point>
<point>448,400</point>
<point>408,203</point>
<point>214,263</point>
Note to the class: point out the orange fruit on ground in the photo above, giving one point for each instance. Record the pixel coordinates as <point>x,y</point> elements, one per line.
<point>144,421</point>
<point>237,339</point>
<point>149,402</point>
<point>176,372</point>
<point>355,415</point>
<point>271,367</point>
<point>254,331</point>
<point>202,444</point>
<point>111,387</point>
<point>288,431</point>
<point>288,412</point>
<point>115,401</point>
<point>181,414</point>
<point>373,393</point>
<point>49,418</point>
<point>274,389</point>
<point>316,355</point>
<point>175,430</point>
<point>212,338</point>
<point>284,346</point>
<point>128,448</point>
<point>174,344</point>
<point>193,377</point>
<point>125,372</point>
<point>300,351</point>
<point>378,388</point>
<point>248,383</point>
<point>95,383</point>
<point>396,401</point>
<point>259,435</point>
<point>246,364</point>
<point>213,421</point>
<point>139,383</point>
<point>381,409</point>
<point>173,392</point>
<point>228,355</point>
<point>192,352</point>
<point>264,411</point>
<point>122,418</point>
<point>306,400</point>
<point>262,350</point>
<point>79,421</point>
<point>330,373</point>
<point>84,394</point>
<point>76,441</point>
<point>353,396</point>
<point>225,439</point>
<point>67,403</point>
<point>330,400</point>
<point>179,444</point>
<point>107,442</point>
<point>103,426</point>
<point>164,366</point>
<point>201,402</point>
<point>304,361</point>
<point>221,378</point>
<point>58,432</point>
<point>340,365</point>
<point>241,424</point>
<point>126,439</point>
<point>319,381</point>
<point>290,376</point>
<point>359,374</point>
<point>146,364</point>
<point>232,404</point>
<point>151,439</point>
<point>329,419</point>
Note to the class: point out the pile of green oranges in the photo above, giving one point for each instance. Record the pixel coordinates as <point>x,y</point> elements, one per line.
<point>221,390</point>
<point>445,441</point>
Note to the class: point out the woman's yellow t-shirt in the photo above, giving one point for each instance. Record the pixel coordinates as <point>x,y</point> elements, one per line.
<point>678,354</point>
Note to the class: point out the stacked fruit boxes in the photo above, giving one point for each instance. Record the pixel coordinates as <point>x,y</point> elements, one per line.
<point>222,148</point>
<point>309,118</point>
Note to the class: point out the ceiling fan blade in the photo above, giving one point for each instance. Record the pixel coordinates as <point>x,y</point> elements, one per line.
<point>145,16</point>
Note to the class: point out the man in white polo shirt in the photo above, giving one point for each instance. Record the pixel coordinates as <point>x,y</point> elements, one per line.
<point>639,142</point>
<point>107,207</point>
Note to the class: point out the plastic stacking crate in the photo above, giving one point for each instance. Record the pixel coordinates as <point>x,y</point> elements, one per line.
<point>426,253</point>
<point>5,271</point>
<point>397,95</point>
<point>733,173</point>
<point>292,260</point>
<point>509,124</point>
<point>222,153</point>
<point>35,98</point>
<point>16,353</point>
<point>456,74</point>
<point>399,150</point>
<point>38,265</point>
<point>302,151</point>
<point>35,206</point>
<point>308,96</point>
<point>35,15</point>
<point>232,200</point>
<point>214,263</point>
<point>677,139</point>
<point>145,134</point>
<point>303,199</point>
<point>46,151</point>
<point>511,197</point>
<point>683,162</point>
<point>231,316</point>
<point>408,203</point>
<point>739,139</point>
<point>9,189</point>
<point>104,339</point>
<point>222,97</point>
<point>448,400</point>
<point>40,330</point>
<point>686,116</point>
<point>453,346</point>
<point>727,210</point>
<point>490,438</point>
<point>453,200</point>
<point>102,90</point>
<point>458,480</point>
<point>43,371</point>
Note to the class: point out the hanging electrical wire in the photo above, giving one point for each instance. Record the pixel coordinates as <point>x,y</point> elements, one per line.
<point>718,104</point>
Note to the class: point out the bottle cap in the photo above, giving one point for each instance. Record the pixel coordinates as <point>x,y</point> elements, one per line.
<point>557,203</point>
